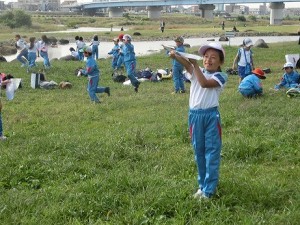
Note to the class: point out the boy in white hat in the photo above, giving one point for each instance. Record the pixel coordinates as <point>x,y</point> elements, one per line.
<point>290,78</point>
<point>243,60</point>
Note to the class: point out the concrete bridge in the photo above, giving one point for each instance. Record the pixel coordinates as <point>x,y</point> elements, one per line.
<point>154,7</point>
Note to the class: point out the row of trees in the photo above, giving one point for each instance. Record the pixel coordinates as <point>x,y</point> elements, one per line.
<point>15,19</point>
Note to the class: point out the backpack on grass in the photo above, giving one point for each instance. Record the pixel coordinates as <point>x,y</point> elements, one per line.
<point>119,78</point>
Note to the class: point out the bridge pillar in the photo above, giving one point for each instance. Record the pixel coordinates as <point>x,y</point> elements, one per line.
<point>115,12</point>
<point>154,12</point>
<point>276,15</point>
<point>207,10</point>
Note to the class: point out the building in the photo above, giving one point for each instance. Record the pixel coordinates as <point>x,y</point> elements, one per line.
<point>237,9</point>
<point>40,5</point>
<point>219,7</point>
<point>65,5</point>
<point>263,10</point>
<point>2,7</point>
<point>69,2</point>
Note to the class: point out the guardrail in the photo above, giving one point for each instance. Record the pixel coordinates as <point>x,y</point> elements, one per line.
<point>229,34</point>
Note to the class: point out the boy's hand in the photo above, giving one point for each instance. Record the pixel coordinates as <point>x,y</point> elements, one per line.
<point>193,61</point>
<point>172,54</point>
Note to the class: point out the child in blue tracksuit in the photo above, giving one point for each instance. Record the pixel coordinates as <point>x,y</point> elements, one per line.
<point>95,44</point>
<point>130,61</point>
<point>177,68</point>
<point>251,85</point>
<point>115,53</point>
<point>92,72</point>
<point>290,78</point>
<point>204,117</point>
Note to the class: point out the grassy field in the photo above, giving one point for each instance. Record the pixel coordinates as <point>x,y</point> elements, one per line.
<point>129,160</point>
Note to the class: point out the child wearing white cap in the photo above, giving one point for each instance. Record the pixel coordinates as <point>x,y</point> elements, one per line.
<point>290,78</point>
<point>130,61</point>
<point>204,117</point>
<point>243,60</point>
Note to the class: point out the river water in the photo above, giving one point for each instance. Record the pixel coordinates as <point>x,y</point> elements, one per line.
<point>143,48</point>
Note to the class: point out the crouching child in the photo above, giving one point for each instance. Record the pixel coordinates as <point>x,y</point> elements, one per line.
<point>251,85</point>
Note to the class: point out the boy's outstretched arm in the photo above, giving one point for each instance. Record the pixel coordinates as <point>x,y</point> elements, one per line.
<point>183,61</point>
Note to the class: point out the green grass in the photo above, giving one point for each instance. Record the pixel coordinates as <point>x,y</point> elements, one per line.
<point>128,160</point>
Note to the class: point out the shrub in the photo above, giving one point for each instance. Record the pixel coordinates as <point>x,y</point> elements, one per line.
<point>16,18</point>
<point>241,18</point>
<point>252,18</point>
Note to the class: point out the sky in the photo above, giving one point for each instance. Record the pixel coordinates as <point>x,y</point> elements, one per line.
<point>287,5</point>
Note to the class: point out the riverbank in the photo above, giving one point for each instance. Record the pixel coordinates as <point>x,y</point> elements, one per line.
<point>143,48</point>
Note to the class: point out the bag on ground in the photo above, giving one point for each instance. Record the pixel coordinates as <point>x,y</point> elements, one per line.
<point>35,80</point>
<point>10,91</point>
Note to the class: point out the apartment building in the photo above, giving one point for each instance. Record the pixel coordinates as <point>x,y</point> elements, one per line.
<point>40,5</point>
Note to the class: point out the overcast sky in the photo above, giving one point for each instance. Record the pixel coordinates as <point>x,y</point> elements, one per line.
<point>287,5</point>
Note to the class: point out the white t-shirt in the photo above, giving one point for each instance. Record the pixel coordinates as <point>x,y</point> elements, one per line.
<point>242,61</point>
<point>21,44</point>
<point>34,49</point>
<point>95,42</point>
<point>205,98</point>
<point>80,44</point>
<point>74,54</point>
<point>42,46</point>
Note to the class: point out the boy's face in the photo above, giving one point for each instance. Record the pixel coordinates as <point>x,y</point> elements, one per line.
<point>211,60</point>
<point>178,43</point>
<point>288,69</point>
